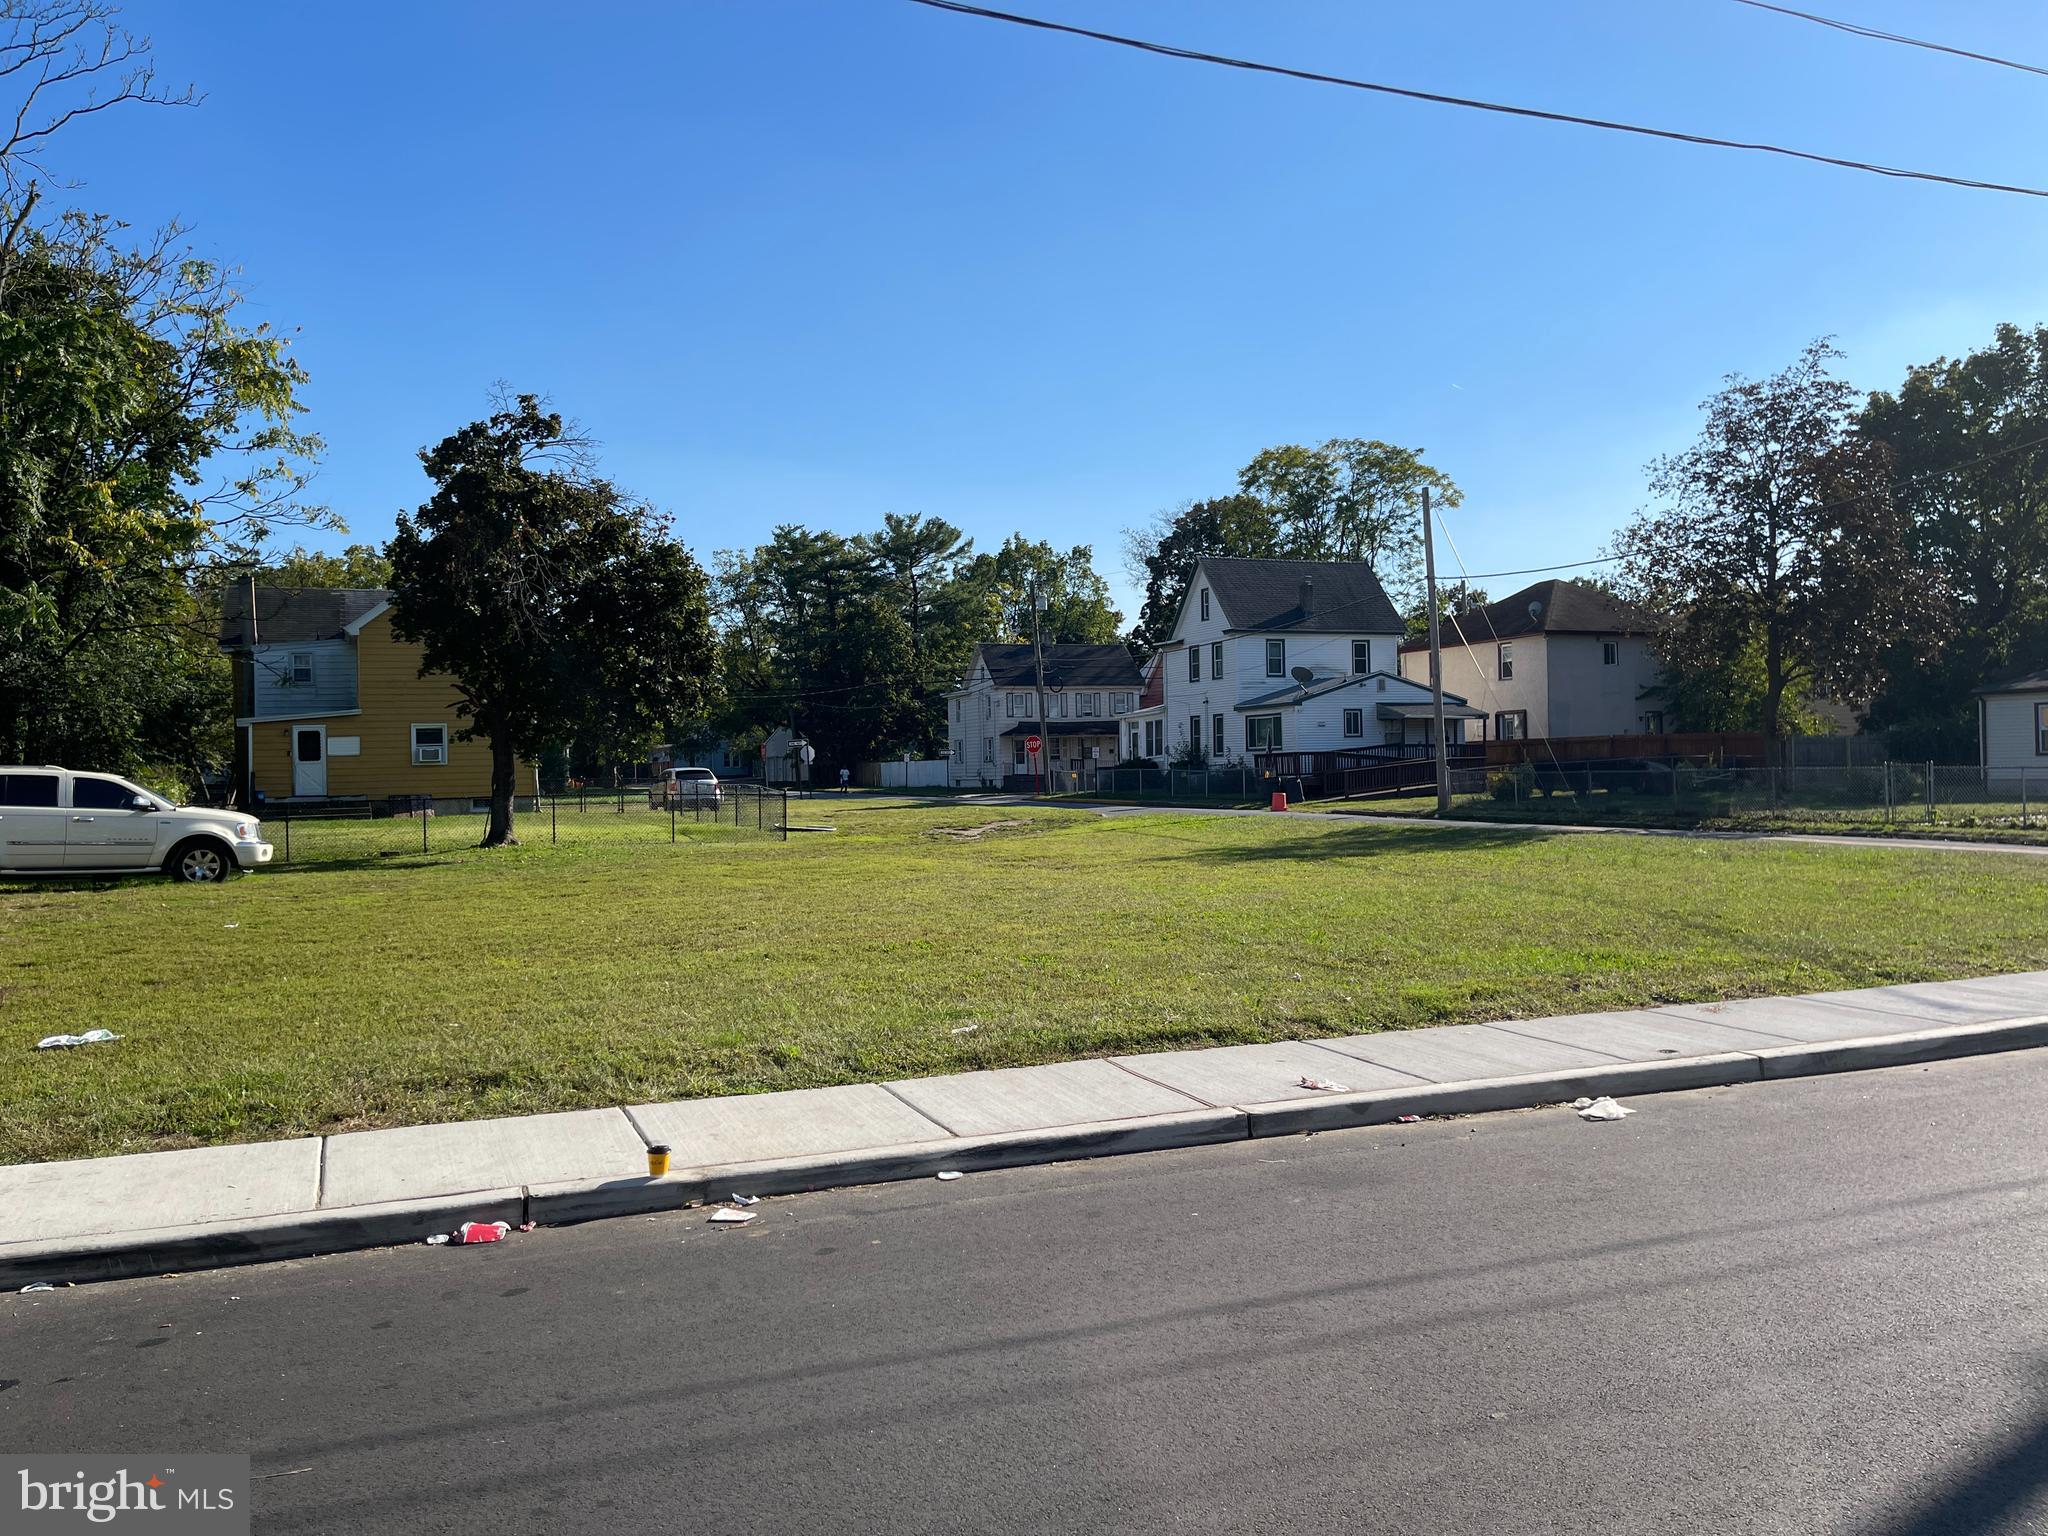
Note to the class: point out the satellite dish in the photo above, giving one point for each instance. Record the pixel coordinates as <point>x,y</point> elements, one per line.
<point>1302,675</point>
<point>1535,610</point>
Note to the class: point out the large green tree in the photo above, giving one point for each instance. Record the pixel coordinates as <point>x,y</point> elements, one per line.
<point>1078,608</point>
<point>1349,499</point>
<point>919,564</point>
<point>148,436</point>
<point>1163,555</point>
<point>1969,439</point>
<point>1778,532</point>
<point>561,607</point>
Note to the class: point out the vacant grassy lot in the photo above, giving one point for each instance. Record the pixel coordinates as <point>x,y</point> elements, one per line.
<point>459,984</point>
<point>1986,821</point>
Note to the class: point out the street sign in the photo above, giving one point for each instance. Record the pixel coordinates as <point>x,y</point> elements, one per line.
<point>806,752</point>
<point>1032,744</point>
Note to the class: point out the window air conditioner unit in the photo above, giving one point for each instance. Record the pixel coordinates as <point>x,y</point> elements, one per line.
<point>433,754</point>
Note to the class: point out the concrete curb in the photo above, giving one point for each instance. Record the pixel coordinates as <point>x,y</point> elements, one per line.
<point>1382,1106</point>
<point>218,1244</point>
<point>165,1250</point>
<point>1905,1050</point>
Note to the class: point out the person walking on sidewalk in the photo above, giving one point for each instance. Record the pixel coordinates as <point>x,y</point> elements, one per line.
<point>843,777</point>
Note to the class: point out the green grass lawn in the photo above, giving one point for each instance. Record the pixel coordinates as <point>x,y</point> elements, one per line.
<point>1991,821</point>
<point>618,968</point>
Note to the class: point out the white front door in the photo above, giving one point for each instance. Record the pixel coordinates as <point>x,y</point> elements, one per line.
<point>309,759</point>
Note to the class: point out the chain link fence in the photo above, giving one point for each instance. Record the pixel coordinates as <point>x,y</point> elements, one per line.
<point>1885,795</point>
<point>1226,784</point>
<point>643,817</point>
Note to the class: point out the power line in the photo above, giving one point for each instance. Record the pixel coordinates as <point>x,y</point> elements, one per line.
<point>1168,50</point>
<point>1858,30</point>
<point>1532,570</point>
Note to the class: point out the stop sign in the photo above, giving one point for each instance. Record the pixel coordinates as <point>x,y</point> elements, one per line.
<point>1032,744</point>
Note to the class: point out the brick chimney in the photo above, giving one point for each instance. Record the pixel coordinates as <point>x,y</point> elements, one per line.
<point>1308,597</point>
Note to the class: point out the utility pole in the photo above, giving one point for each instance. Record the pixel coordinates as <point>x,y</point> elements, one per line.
<point>1038,660</point>
<point>1436,665</point>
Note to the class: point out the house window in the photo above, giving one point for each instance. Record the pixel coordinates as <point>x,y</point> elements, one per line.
<point>1120,703</point>
<point>1262,733</point>
<point>430,744</point>
<point>1653,722</point>
<point>1361,655</point>
<point>1060,702</point>
<point>1133,752</point>
<point>1216,659</point>
<point>1610,653</point>
<point>301,675</point>
<point>1194,663</point>
<point>1507,662</point>
<point>1276,658</point>
<point>1019,704</point>
<point>1195,732</point>
<point>988,705</point>
<point>2041,730</point>
<point>1216,735</point>
<point>1155,738</point>
<point>959,750</point>
<point>1511,725</point>
<point>1017,753</point>
<point>1205,605</point>
<point>1091,705</point>
<point>988,749</point>
<point>1354,722</point>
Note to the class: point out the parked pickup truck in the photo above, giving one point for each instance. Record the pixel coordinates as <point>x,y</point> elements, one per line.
<point>54,821</point>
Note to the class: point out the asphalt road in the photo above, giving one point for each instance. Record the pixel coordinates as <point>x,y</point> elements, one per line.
<point>1813,1307</point>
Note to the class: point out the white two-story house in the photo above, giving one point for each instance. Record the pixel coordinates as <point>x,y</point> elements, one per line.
<point>1555,659</point>
<point>1289,656</point>
<point>1089,689</point>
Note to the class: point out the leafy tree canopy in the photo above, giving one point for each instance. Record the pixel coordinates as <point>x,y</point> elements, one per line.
<point>562,608</point>
<point>1778,528</point>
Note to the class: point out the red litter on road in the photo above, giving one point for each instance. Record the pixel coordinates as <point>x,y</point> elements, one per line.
<point>481,1231</point>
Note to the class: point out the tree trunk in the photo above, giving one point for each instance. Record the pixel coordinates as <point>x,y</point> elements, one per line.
<point>499,833</point>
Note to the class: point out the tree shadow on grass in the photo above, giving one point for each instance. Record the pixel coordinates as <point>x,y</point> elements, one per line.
<point>1451,838</point>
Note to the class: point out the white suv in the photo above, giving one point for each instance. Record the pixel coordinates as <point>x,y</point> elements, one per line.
<point>685,786</point>
<point>53,821</point>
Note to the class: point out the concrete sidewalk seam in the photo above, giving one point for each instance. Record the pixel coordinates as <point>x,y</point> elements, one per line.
<point>918,1110</point>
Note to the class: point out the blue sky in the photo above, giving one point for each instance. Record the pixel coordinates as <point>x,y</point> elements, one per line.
<point>815,260</point>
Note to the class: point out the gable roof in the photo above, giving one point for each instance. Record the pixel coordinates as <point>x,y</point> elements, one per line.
<point>291,615</point>
<point>1266,594</point>
<point>2035,680</point>
<point>1301,693</point>
<point>1562,608</point>
<point>1067,665</point>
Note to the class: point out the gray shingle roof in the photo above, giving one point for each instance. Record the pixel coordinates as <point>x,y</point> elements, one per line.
<point>1069,665</point>
<point>2032,681</point>
<point>288,614</point>
<point>1297,693</point>
<point>1562,608</point>
<point>1266,594</point>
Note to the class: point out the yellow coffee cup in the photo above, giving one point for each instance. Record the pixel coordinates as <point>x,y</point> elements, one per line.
<point>657,1161</point>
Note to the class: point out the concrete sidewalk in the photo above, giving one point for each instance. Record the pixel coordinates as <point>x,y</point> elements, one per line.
<point>105,1217</point>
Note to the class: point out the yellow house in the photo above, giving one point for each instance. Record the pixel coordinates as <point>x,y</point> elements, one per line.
<point>330,705</point>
